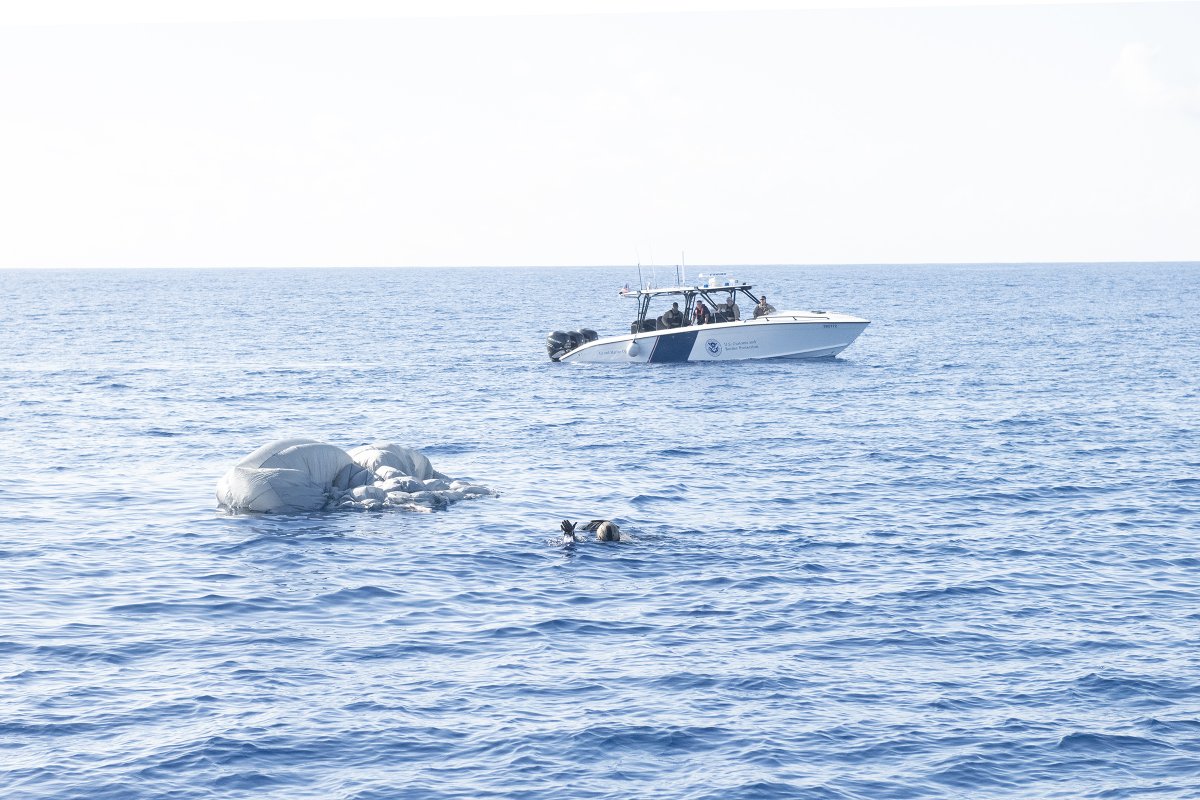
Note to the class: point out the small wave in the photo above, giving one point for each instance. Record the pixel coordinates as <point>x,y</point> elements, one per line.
<point>646,499</point>
<point>162,433</point>
<point>905,640</point>
<point>80,654</point>
<point>449,448</point>
<point>1023,421</point>
<point>347,596</point>
<point>403,650</point>
<point>973,771</point>
<point>251,781</point>
<point>950,591</point>
<point>563,626</point>
<point>775,790</point>
<point>1120,686</point>
<point>209,605</point>
<point>1109,742</point>
<point>1108,450</point>
<point>1185,561</point>
<point>605,739</point>
<point>1189,725</point>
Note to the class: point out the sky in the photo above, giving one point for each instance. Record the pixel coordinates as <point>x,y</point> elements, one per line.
<point>318,134</point>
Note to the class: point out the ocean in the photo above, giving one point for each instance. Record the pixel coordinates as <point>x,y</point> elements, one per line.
<point>958,561</point>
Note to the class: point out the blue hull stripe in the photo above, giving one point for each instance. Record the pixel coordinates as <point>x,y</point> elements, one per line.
<point>673,347</point>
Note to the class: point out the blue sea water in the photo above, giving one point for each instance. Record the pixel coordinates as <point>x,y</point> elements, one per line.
<point>958,561</point>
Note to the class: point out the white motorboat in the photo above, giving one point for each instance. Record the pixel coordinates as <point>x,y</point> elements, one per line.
<point>709,327</point>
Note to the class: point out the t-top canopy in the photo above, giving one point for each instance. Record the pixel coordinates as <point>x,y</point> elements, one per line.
<point>679,290</point>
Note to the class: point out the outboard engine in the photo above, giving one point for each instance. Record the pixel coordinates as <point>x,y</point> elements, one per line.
<point>558,344</point>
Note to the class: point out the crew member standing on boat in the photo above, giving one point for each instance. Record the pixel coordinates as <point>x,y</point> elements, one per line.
<point>763,307</point>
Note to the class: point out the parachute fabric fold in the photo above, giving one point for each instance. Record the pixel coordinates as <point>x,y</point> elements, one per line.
<point>298,475</point>
<point>288,476</point>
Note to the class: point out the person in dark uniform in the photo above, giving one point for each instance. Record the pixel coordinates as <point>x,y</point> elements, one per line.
<point>674,317</point>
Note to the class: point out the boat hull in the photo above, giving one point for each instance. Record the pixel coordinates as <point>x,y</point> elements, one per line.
<point>781,335</point>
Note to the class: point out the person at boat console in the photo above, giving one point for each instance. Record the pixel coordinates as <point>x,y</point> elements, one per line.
<point>674,317</point>
<point>727,312</point>
<point>732,312</point>
<point>701,316</point>
<point>763,307</point>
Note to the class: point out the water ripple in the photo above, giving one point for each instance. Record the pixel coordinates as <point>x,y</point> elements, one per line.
<point>957,562</point>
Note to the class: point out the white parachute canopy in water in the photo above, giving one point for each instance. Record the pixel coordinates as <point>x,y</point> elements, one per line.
<point>297,475</point>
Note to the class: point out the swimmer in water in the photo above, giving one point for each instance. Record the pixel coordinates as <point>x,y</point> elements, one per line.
<point>606,530</point>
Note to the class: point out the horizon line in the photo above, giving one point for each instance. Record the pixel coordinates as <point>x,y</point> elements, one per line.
<point>690,267</point>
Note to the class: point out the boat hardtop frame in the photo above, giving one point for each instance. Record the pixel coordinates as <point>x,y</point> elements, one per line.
<point>689,295</point>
